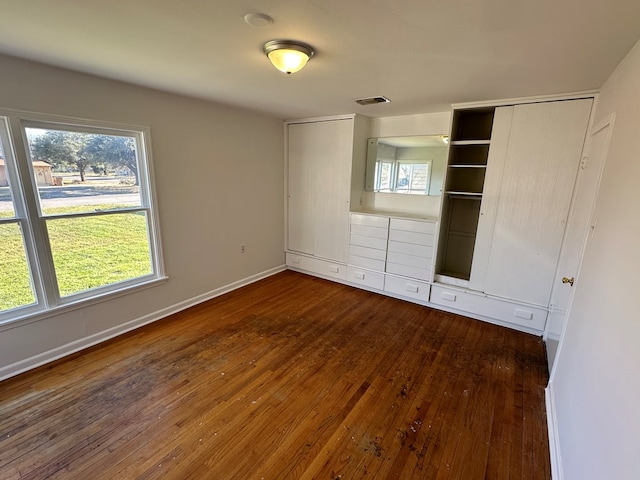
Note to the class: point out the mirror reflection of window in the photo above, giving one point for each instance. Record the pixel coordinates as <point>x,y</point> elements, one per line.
<point>383,176</point>
<point>406,165</point>
<point>413,178</point>
<point>403,177</point>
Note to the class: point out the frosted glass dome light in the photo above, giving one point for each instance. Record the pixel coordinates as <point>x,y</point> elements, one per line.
<point>288,56</point>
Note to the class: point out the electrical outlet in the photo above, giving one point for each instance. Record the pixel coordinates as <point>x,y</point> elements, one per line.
<point>242,248</point>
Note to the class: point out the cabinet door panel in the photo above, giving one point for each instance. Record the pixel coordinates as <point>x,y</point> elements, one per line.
<point>319,187</point>
<point>490,195</point>
<point>543,153</point>
<point>333,189</point>
<point>301,181</point>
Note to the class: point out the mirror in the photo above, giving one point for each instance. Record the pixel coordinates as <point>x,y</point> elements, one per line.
<point>406,165</point>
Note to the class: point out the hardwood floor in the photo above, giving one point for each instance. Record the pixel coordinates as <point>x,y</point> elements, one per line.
<point>292,377</point>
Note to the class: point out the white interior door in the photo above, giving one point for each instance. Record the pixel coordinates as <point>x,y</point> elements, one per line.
<point>577,233</point>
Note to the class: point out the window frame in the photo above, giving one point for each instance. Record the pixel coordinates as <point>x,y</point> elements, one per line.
<point>409,190</point>
<point>395,166</point>
<point>28,212</point>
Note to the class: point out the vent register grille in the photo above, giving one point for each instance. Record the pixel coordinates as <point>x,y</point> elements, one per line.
<point>372,100</point>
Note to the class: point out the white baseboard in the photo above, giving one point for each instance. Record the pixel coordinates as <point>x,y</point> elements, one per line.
<point>91,340</point>
<point>552,427</point>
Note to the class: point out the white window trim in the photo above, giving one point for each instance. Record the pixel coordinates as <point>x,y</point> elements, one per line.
<point>25,194</point>
<point>393,181</point>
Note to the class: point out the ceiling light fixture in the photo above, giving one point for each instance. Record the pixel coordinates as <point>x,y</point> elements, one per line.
<point>288,56</point>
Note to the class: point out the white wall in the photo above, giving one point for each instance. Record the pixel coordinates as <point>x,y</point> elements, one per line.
<point>595,388</point>
<point>219,178</point>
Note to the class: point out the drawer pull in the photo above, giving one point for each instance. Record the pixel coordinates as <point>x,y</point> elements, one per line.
<point>448,296</point>
<point>334,269</point>
<point>524,314</point>
<point>358,275</point>
<point>412,288</point>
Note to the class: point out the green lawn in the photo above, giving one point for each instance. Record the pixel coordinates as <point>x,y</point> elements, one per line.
<point>88,252</point>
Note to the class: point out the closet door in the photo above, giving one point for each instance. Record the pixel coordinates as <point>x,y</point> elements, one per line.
<point>333,188</point>
<point>542,154</point>
<point>302,149</point>
<point>319,187</point>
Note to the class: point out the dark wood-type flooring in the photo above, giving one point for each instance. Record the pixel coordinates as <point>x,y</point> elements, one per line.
<point>292,377</point>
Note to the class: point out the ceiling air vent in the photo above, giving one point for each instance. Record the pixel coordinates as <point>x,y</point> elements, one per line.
<point>372,100</point>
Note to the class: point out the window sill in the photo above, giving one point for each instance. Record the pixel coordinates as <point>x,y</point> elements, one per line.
<point>32,317</point>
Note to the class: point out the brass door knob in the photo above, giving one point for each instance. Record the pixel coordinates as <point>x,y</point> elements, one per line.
<point>568,280</point>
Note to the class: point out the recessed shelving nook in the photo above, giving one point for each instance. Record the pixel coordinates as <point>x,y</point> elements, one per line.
<point>466,169</point>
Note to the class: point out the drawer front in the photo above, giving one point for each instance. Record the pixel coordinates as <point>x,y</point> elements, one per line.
<point>315,265</point>
<point>407,288</point>
<point>362,241</point>
<point>367,252</point>
<point>408,271</point>
<point>413,226</point>
<point>409,260</point>
<point>523,315</point>
<point>371,220</point>
<point>366,262</point>
<point>425,251</point>
<point>367,231</point>
<point>411,237</point>
<point>365,277</point>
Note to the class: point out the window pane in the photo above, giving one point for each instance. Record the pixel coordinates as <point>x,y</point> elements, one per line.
<point>404,177</point>
<point>383,176</point>
<point>419,177</point>
<point>6,201</point>
<point>83,172</point>
<point>16,288</point>
<point>413,178</point>
<point>91,252</point>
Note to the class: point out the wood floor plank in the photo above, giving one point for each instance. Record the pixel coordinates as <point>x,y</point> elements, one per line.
<point>292,377</point>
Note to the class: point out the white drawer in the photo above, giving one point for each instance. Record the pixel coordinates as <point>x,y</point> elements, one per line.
<point>407,288</point>
<point>411,237</point>
<point>377,243</point>
<point>365,277</point>
<point>371,220</point>
<point>366,262</point>
<point>425,251</point>
<point>324,268</point>
<point>408,260</point>
<point>367,231</point>
<point>417,226</point>
<point>408,271</point>
<point>367,252</point>
<point>503,310</point>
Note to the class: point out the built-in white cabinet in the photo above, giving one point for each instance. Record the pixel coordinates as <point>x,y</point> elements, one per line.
<point>493,252</point>
<point>512,171</point>
<point>410,248</point>
<point>536,155</point>
<point>323,155</point>
<point>392,254</point>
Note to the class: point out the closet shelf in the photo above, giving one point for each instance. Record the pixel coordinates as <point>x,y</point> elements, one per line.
<point>464,194</point>
<point>470,142</point>
<point>467,165</point>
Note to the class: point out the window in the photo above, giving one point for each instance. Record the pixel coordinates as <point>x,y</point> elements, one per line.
<point>403,176</point>
<point>76,213</point>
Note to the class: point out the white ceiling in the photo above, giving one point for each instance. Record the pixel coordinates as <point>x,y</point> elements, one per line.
<point>421,54</point>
